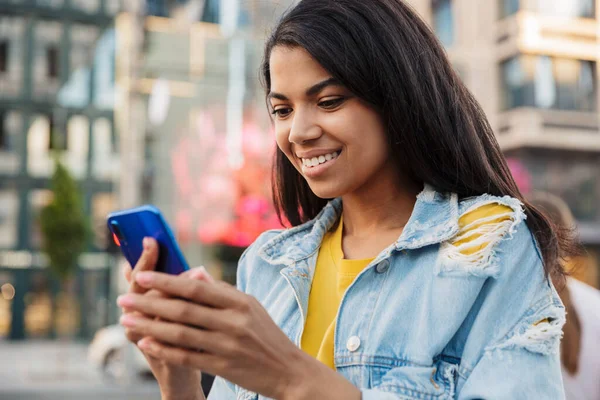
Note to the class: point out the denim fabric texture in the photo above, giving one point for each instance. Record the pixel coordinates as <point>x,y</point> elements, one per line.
<point>420,322</point>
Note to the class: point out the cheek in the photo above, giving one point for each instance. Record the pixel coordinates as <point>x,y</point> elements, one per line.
<point>281,137</point>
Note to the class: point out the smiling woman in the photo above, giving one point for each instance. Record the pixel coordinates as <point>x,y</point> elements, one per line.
<point>413,267</point>
<point>315,116</point>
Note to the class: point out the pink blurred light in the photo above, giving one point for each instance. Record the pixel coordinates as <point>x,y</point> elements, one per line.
<point>520,174</point>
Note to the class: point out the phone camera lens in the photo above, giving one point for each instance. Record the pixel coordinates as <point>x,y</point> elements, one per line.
<point>116,230</point>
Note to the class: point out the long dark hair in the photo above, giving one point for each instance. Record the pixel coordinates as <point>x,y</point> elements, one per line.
<point>387,56</point>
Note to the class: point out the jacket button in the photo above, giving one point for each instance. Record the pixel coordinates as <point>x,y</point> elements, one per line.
<point>382,266</point>
<point>353,343</point>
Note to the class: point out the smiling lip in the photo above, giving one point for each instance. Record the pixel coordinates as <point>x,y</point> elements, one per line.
<point>313,172</point>
<point>316,153</point>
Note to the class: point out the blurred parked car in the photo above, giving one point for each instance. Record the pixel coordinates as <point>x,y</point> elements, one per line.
<point>108,349</point>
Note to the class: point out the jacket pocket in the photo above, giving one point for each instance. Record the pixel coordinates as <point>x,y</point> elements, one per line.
<point>436,382</point>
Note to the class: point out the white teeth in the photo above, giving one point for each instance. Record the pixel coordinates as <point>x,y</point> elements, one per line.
<point>313,162</point>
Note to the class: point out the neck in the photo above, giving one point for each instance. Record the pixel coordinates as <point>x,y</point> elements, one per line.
<point>379,209</point>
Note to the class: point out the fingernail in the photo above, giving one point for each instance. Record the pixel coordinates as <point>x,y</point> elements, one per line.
<point>146,243</point>
<point>206,274</point>
<point>144,344</point>
<point>143,277</point>
<point>125,300</point>
<point>128,320</point>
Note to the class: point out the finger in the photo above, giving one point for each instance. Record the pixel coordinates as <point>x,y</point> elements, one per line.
<point>131,335</point>
<point>220,296</point>
<point>177,310</point>
<point>205,362</point>
<point>199,273</point>
<point>177,334</point>
<point>147,262</point>
<point>127,272</point>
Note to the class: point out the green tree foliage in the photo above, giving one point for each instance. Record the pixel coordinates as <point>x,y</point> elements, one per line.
<point>63,224</point>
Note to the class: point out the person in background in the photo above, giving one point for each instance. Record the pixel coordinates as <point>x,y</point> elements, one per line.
<point>580,345</point>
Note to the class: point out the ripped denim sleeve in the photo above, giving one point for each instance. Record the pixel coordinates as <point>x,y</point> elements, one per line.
<point>524,364</point>
<point>539,331</point>
<point>473,250</point>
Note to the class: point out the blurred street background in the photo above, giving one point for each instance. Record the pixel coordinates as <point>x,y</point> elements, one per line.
<point>159,101</point>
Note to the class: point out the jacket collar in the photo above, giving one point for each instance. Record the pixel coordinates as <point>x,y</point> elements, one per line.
<point>434,219</point>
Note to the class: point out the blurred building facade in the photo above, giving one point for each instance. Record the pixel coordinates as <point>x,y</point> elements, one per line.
<point>533,65</point>
<point>194,100</point>
<point>162,105</point>
<point>196,115</point>
<point>56,98</point>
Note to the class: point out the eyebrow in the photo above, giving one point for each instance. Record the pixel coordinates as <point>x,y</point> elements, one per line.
<point>313,90</point>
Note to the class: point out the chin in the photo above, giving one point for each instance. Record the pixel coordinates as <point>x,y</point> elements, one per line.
<point>325,191</point>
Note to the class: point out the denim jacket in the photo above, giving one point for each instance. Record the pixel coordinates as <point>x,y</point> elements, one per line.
<point>423,320</point>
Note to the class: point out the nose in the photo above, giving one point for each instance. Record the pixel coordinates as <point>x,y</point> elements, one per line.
<point>304,128</point>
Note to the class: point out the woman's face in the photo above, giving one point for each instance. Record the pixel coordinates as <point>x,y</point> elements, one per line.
<point>334,139</point>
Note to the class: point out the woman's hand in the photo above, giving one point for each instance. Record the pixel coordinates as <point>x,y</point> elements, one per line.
<point>222,331</point>
<point>177,382</point>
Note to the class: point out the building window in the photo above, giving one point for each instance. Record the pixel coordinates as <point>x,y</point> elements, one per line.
<point>211,11</point>
<point>549,82</point>
<point>570,8</point>
<point>12,48</point>
<point>3,56</point>
<point>55,139</point>
<point>38,199</point>
<point>508,7</point>
<point>157,8</point>
<point>52,61</point>
<point>4,145</point>
<point>87,6</point>
<point>9,218</point>
<point>11,125</point>
<point>443,21</point>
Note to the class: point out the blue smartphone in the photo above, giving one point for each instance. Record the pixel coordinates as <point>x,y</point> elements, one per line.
<point>130,227</point>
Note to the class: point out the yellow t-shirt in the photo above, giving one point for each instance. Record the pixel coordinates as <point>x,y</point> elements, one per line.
<point>333,275</point>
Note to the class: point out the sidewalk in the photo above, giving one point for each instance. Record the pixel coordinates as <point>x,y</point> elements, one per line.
<point>59,370</point>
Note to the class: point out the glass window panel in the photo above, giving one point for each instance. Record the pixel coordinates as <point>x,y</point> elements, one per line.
<point>4,56</point>
<point>545,82</point>
<point>38,306</point>
<point>50,3</point>
<point>586,93</point>
<point>104,71</point>
<point>443,21</point>
<point>95,300</point>
<point>9,218</point>
<point>570,8</point>
<point>78,132</point>
<point>104,162</point>
<point>46,62</point>
<point>67,313</point>
<point>39,162</point>
<point>11,128</point>
<point>88,6</point>
<point>508,7</point>
<point>12,32</point>
<point>113,6</point>
<point>567,76</point>
<point>38,199</point>
<point>545,85</point>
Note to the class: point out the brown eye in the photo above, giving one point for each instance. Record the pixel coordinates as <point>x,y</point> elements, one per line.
<point>332,103</point>
<point>282,112</point>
